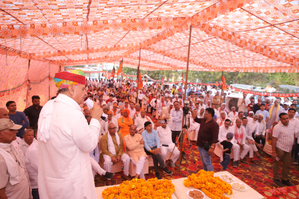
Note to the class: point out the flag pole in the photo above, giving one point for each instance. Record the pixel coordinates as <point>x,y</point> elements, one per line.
<point>138,74</point>
<point>188,59</point>
<point>184,120</point>
<point>221,89</point>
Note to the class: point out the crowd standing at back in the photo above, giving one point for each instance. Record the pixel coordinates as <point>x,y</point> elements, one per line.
<point>122,131</point>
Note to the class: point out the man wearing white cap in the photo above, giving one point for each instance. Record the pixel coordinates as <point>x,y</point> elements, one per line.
<point>222,118</point>
<point>65,140</point>
<point>250,117</point>
<point>166,143</point>
<point>14,182</point>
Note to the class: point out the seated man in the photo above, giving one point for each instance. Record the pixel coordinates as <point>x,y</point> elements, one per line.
<point>110,119</point>
<point>137,112</point>
<point>115,109</point>
<point>139,121</point>
<point>260,133</point>
<point>28,138</point>
<point>223,131</point>
<point>112,151</point>
<point>132,110</point>
<point>135,149</point>
<point>166,143</point>
<point>233,114</point>
<point>250,141</point>
<point>240,138</point>
<point>152,147</point>
<point>14,182</point>
<point>220,121</point>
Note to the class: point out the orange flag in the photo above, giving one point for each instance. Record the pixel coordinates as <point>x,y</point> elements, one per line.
<point>223,83</point>
<point>182,78</point>
<point>113,73</point>
<point>140,85</point>
<point>120,69</point>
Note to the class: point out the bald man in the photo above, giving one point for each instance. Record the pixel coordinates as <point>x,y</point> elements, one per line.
<point>135,149</point>
<point>112,146</point>
<point>4,113</point>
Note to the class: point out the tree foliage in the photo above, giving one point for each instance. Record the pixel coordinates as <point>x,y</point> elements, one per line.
<point>257,79</point>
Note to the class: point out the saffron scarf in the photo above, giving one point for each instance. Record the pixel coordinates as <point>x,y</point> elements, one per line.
<point>237,134</point>
<point>271,109</point>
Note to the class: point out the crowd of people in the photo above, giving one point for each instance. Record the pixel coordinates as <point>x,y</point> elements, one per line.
<point>54,151</point>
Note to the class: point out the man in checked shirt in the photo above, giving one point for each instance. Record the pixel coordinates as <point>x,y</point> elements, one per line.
<point>282,143</point>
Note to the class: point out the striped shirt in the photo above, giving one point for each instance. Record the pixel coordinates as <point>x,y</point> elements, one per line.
<point>294,123</point>
<point>285,136</point>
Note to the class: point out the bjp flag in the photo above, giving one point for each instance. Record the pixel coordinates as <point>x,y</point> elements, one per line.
<point>113,73</point>
<point>140,84</point>
<point>120,69</point>
<point>223,83</point>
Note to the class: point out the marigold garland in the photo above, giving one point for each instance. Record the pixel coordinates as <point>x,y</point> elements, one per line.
<point>140,189</point>
<point>212,186</point>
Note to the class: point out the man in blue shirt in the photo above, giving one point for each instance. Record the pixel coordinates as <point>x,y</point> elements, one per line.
<point>17,117</point>
<point>152,147</point>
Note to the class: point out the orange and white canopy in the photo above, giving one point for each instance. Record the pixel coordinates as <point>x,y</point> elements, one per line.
<point>228,35</point>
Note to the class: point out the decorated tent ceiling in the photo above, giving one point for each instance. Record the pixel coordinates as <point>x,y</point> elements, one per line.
<point>227,35</point>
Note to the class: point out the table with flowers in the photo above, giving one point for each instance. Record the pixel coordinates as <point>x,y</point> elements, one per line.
<point>181,190</point>
<point>207,182</point>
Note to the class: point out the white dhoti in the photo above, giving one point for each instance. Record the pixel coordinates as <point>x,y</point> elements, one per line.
<point>236,152</point>
<point>246,149</point>
<point>252,149</point>
<point>140,166</point>
<point>124,158</point>
<point>165,149</point>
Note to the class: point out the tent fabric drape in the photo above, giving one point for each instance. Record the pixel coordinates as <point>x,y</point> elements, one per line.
<point>14,83</point>
<point>228,35</point>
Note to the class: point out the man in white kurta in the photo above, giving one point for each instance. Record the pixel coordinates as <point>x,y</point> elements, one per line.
<point>65,140</point>
<point>223,130</point>
<point>233,114</point>
<point>31,162</point>
<point>139,121</point>
<point>132,110</point>
<point>220,121</point>
<point>166,143</point>
<point>250,141</point>
<point>28,138</point>
<point>240,138</point>
<point>110,119</point>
